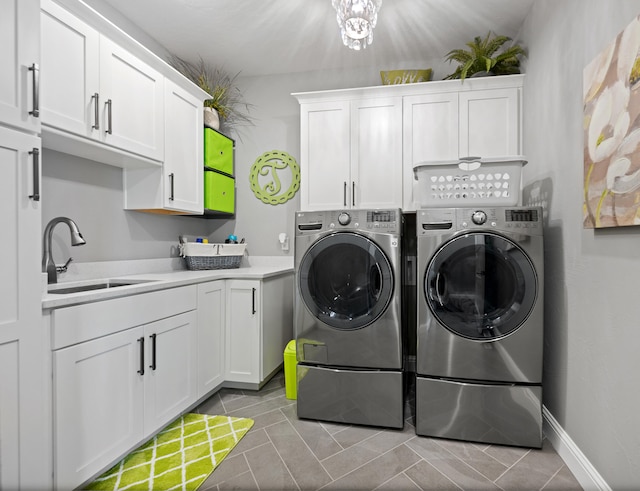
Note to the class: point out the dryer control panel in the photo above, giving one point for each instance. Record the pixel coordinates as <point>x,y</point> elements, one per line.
<point>513,219</point>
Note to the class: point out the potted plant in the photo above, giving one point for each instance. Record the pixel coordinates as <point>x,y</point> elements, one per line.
<point>484,58</point>
<point>226,108</point>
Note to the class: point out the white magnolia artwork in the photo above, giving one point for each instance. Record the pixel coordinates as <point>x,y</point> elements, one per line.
<point>612,133</point>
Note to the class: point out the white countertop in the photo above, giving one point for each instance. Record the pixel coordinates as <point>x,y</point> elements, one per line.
<point>256,268</point>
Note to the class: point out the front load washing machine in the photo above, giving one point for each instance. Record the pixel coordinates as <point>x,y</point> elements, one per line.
<point>347,316</point>
<point>480,324</point>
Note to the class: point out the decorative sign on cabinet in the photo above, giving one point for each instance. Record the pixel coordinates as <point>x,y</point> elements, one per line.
<point>359,146</point>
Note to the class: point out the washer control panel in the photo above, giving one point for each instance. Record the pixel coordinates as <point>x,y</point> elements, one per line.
<point>384,221</point>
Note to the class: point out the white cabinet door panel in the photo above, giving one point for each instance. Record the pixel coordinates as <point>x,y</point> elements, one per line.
<point>19,50</point>
<point>430,133</point>
<point>22,381</point>
<point>325,155</point>
<point>70,72</point>
<point>170,371</point>
<point>211,319</point>
<point>490,123</point>
<point>9,415</point>
<point>376,153</point>
<point>244,358</point>
<point>98,404</point>
<point>183,160</point>
<point>131,95</point>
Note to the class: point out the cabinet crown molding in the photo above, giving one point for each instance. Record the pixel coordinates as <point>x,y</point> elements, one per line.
<point>401,90</point>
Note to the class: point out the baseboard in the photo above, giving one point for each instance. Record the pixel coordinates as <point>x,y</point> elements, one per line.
<point>587,475</point>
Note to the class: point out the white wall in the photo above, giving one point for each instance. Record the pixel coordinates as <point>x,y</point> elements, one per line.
<point>91,194</point>
<point>592,313</point>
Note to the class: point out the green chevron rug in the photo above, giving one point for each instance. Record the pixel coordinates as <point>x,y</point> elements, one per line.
<point>180,457</point>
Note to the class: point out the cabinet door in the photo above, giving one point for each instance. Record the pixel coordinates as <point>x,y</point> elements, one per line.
<point>277,321</point>
<point>183,160</point>
<point>490,123</point>
<point>211,319</point>
<point>131,95</point>
<point>19,51</point>
<point>70,72</point>
<point>243,350</point>
<point>325,155</point>
<point>430,133</point>
<point>170,372</point>
<point>376,153</point>
<point>98,404</point>
<point>22,423</point>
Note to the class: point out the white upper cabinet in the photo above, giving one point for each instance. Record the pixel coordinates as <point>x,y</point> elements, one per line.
<point>132,102</point>
<point>20,62</point>
<point>70,72</point>
<point>94,88</point>
<point>359,146</point>
<point>325,161</point>
<point>176,187</point>
<point>430,127</point>
<point>376,153</point>
<point>351,151</point>
<point>490,122</point>
<point>477,118</point>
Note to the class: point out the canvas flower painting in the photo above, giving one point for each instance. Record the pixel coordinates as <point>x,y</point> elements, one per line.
<point>611,92</point>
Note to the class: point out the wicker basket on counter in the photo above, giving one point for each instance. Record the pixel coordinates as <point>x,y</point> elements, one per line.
<point>200,256</point>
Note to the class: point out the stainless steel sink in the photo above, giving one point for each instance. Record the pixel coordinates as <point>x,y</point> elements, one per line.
<point>101,285</point>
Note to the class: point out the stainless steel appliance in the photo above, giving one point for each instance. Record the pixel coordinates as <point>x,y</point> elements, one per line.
<point>347,318</point>
<point>480,324</point>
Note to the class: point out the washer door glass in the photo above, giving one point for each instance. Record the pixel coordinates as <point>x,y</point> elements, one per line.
<point>481,286</point>
<point>345,280</point>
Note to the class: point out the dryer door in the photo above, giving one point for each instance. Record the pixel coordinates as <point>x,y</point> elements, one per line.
<point>345,280</point>
<point>481,286</point>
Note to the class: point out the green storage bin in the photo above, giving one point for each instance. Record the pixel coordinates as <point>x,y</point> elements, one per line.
<point>218,151</point>
<point>290,364</point>
<point>219,192</point>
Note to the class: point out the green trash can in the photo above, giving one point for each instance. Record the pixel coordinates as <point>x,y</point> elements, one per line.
<point>290,363</point>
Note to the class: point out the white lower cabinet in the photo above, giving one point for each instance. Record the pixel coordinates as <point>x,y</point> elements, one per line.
<point>259,324</point>
<point>243,320</point>
<point>119,376</point>
<point>211,321</point>
<point>98,405</point>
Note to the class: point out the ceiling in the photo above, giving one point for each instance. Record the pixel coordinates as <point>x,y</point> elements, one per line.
<point>263,37</point>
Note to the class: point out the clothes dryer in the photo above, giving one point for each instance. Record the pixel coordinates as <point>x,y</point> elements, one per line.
<point>480,324</point>
<point>347,317</point>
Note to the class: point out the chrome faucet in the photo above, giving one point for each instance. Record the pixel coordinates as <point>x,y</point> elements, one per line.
<point>48,265</point>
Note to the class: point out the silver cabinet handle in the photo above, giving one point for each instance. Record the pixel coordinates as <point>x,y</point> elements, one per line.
<point>96,111</point>
<point>35,73</point>
<point>36,174</point>
<point>171,180</point>
<point>344,193</point>
<point>109,120</point>
<point>353,193</point>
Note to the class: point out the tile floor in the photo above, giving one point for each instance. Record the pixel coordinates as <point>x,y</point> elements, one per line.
<point>281,452</point>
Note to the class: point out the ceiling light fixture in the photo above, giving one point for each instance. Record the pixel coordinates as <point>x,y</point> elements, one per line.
<point>356,19</point>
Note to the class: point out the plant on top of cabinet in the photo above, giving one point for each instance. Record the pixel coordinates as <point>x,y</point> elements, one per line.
<point>227,102</point>
<point>483,57</point>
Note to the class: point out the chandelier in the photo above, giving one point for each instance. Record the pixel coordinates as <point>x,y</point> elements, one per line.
<point>356,19</point>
